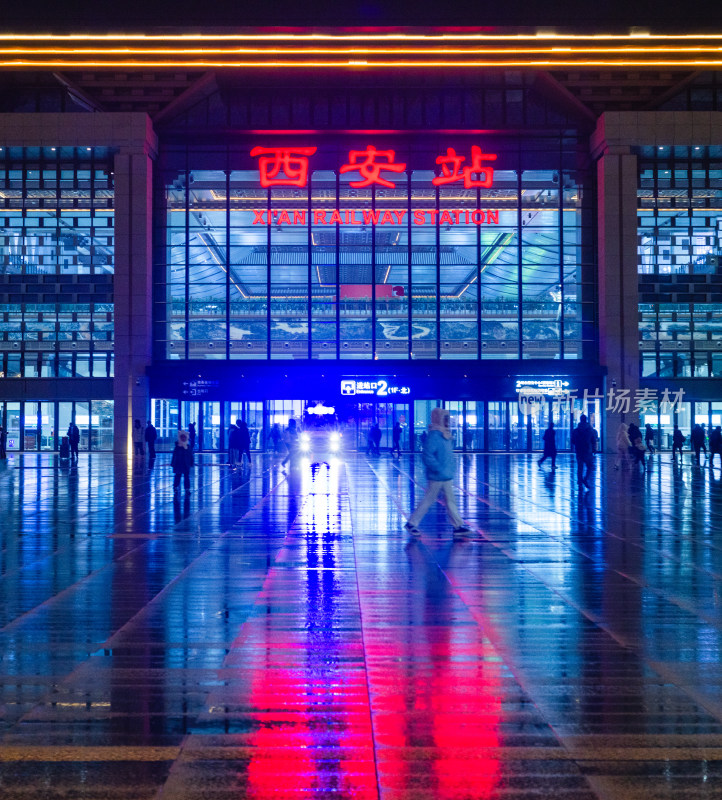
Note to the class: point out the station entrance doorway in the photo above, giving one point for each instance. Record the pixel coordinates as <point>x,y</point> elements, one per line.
<point>476,425</point>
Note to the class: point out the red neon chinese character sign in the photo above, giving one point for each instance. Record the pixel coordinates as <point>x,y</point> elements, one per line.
<point>291,163</point>
<point>371,163</point>
<point>451,172</point>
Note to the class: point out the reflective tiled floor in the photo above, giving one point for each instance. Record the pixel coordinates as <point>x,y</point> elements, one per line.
<point>279,635</point>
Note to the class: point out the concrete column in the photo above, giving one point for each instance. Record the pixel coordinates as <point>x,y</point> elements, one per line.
<point>618,280</point>
<point>133,290</point>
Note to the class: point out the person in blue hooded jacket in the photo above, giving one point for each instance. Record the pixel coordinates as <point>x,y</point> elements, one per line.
<point>438,458</point>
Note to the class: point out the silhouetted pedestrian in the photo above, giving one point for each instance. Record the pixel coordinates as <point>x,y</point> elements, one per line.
<point>438,457</point>
<point>290,439</point>
<point>181,462</point>
<point>715,445</point>
<point>649,436</point>
<point>634,433</point>
<point>138,435</point>
<point>73,439</point>
<point>584,444</point>
<point>244,441</point>
<point>550,446</point>
<point>234,442</point>
<point>276,438</point>
<point>637,448</point>
<point>3,442</point>
<point>698,441</point>
<point>151,434</point>
<point>191,435</point>
<point>375,439</point>
<point>678,440</point>
<point>396,438</point>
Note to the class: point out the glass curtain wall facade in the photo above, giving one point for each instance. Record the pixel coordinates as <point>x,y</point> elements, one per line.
<point>57,249</point>
<point>679,251</point>
<point>412,270</point>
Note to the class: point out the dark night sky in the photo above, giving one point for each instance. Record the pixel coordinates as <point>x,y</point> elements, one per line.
<point>144,15</point>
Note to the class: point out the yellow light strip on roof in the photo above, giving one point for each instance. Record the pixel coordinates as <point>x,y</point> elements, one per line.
<point>336,64</point>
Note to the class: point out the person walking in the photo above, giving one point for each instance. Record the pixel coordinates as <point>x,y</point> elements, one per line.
<point>550,446</point>
<point>151,434</point>
<point>697,437</point>
<point>234,443</point>
<point>74,440</point>
<point>3,442</point>
<point>438,458</point>
<point>715,445</point>
<point>244,441</point>
<point>181,462</point>
<point>276,437</point>
<point>138,438</point>
<point>290,439</point>
<point>678,440</point>
<point>375,439</point>
<point>623,446</point>
<point>634,433</point>
<point>191,435</point>
<point>584,444</point>
<point>396,439</point>
<point>649,436</point>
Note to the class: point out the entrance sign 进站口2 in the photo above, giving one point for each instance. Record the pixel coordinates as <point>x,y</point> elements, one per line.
<point>379,387</point>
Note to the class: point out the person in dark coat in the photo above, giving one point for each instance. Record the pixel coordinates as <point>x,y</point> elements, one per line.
<point>584,444</point>
<point>550,446</point>
<point>697,436</point>
<point>637,449</point>
<point>649,435</point>
<point>191,435</point>
<point>396,438</point>
<point>715,445</point>
<point>375,439</point>
<point>244,441</point>
<point>73,439</point>
<point>678,440</point>
<point>234,443</point>
<point>151,434</point>
<point>3,442</point>
<point>181,462</point>
<point>634,433</point>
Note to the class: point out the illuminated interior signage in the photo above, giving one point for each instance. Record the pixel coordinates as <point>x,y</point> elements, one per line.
<point>551,387</point>
<point>199,388</point>
<point>376,388</point>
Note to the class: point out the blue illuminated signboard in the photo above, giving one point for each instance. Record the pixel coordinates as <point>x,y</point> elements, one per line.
<point>550,387</point>
<point>199,388</point>
<point>372,387</point>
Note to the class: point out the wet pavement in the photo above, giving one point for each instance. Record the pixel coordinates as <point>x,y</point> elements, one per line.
<point>280,635</point>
